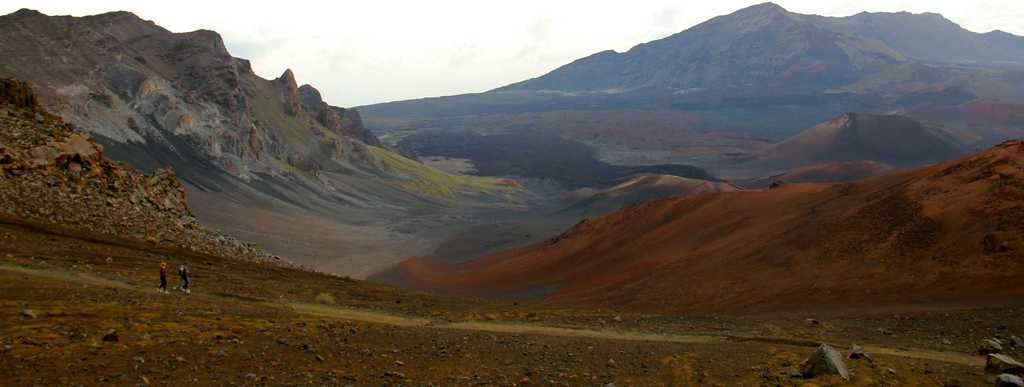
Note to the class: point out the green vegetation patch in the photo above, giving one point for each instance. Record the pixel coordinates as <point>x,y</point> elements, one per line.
<point>425,180</point>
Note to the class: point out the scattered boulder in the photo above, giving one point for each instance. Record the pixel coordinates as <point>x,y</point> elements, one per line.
<point>857,353</point>
<point>825,361</point>
<point>1007,380</point>
<point>1003,364</point>
<point>111,336</point>
<point>990,346</point>
<point>1017,341</point>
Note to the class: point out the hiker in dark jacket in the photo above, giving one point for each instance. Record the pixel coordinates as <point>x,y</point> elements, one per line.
<point>186,283</point>
<point>163,277</point>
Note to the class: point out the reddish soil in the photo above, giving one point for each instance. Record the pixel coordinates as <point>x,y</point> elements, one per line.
<point>946,234</point>
<point>834,172</point>
<point>249,323</point>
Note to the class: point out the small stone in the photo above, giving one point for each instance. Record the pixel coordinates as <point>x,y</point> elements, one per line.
<point>1007,380</point>
<point>28,313</point>
<point>617,318</point>
<point>1017,341</point>
<point>399,363</point>
<point>319,358</point>
<point>890,371</point>
<point>812,321</point>
<point>947,342</point>
<point>1003,364</point>
<point>825,361</point>
<point>111,336</point>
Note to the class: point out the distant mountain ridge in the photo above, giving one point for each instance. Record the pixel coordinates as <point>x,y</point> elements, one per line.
<point>767,46</point>
<point>721,90</point>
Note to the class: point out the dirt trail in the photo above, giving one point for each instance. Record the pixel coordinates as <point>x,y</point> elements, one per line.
<point>510,327</point>
<point>78,278</point>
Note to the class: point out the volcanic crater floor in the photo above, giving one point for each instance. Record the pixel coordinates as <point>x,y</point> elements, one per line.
<point>78,310</point>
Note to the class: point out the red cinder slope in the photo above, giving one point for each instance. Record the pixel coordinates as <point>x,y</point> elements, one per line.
<point>941,235</point>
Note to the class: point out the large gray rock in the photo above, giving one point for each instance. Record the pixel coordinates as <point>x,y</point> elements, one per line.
<point>1003,364</point>
<point>1007,380</point>
<point>857,352</point>
<point>990,346</point>
<point>825,361</point>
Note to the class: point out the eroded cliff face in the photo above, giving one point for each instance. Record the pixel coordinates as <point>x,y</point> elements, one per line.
<point>132,82</point>
<point>53,174</point>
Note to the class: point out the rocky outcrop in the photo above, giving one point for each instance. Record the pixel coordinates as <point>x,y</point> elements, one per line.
<point>289,92</point>
<point>344,122</point>
<point>51,173</point>
<point>825,361</point>
<point>353,124</point>
<point>18,94</point>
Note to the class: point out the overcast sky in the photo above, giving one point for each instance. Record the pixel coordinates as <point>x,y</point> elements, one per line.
<point>368,51</point>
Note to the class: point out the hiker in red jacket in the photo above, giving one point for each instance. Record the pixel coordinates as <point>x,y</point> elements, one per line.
<point>163,277</point>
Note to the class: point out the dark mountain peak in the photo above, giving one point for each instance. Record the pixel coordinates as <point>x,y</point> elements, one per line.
<point>767,8</point>
<point>117,15</point>
<point>25,13</point>
<point>754,17</point>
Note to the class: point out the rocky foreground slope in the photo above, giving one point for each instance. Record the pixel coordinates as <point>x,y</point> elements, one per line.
<point>55,175</point>
<point>949,234</point>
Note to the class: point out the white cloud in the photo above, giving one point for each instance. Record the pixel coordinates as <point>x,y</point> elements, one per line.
<point>373,51</point>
